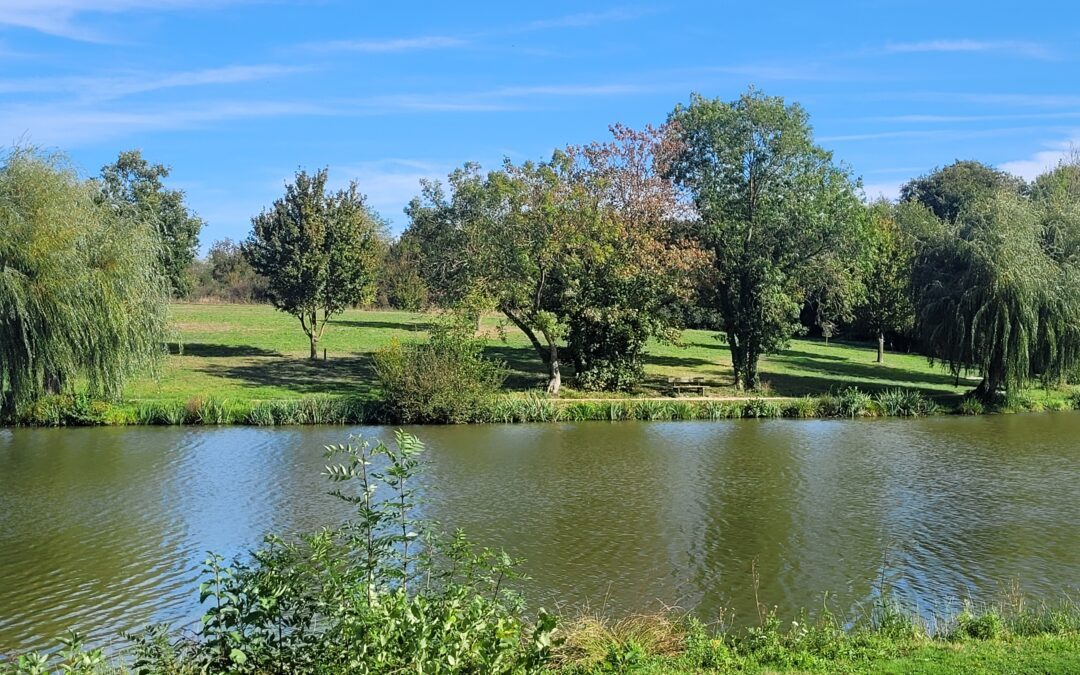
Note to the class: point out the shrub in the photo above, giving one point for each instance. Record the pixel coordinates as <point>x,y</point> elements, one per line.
<point>904,403</point>
<point>370,596</point>
<point>445,380</point>
<point>1074,400</point>
<point>62,410</point>
<point>971,406</point>
<point>758,407</point>
<point>801,408</point>
<point>852,402</point>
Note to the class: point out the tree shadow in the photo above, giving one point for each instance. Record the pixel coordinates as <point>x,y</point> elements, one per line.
<point>795,353</point>
<point>419,326</point>
<point>677,361</point>
<point>207,349</point>
<point>526,370</point>
<point>352,375</point>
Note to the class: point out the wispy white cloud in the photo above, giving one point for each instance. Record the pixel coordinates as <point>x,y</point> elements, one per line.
<point>106,87</point>
<point>1020,48</point>
<point>391,45</point>
<point>390,183</point>
<point>431,42</point>
<point>61,17</point>
<point>884,190</point>
<point>72,125</point>
<point>583,19</point>
<point>978,118</point>
<point>1043,160</point>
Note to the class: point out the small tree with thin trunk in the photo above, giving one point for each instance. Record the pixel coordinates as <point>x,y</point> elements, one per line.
<point>318,250</point>
<point>887,277</point>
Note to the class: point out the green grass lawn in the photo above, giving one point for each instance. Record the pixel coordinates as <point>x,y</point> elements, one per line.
<point>256,352</point>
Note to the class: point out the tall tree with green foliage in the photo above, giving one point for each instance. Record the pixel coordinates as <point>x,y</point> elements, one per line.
<point>948,191</point>
<point>82,299</point>
<point>769,203</point>
<point>319,251</point>
<point>634,264</point>
<point>991,297</point>
<point>887,267</point>
<point>136,186</point>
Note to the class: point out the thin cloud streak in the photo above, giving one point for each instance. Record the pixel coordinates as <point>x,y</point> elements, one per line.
<point>59,17</point>
<point>1031,50</point>
<point>388,46</point>
<point>101,88</point>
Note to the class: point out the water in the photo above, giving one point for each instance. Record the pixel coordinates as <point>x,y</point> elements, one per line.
<point>105,529</point>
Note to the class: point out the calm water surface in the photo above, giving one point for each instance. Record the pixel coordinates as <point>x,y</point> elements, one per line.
<point>105,529</point>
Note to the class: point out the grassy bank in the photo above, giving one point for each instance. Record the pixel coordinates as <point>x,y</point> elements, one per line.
<point>1005,638</point>
<point>247,364</point>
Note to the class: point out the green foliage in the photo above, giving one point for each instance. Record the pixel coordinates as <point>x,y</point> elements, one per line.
<point>319,251</point>
<point>81,298</point>
<point>904,403</point>
<point>770,204</point>
<point>401,285</point>
<point>226,275</point>
<point>134,187</point>
<point>444,380</point>
<point>853,402</point>
<point>989,297</point>
<point>951,190</point>
<point>971,406</point>
<point>802,408</point>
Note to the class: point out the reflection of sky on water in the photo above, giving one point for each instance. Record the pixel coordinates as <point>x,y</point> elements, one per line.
<point>105,529</point>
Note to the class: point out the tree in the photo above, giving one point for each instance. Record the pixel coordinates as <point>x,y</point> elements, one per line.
<point>400,284</point>
<point>950,190</point>
<point>769,203</point>
<point>887,305</point>
<point>990,297</point>
<point>134,185</point>
<point>81,298</point>
<point>225,274</point>
<point>319,251</point>
<point>634,265</point>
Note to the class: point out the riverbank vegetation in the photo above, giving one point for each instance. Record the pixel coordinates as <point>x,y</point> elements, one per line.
<point>383,593</point>
<point>600,264</point>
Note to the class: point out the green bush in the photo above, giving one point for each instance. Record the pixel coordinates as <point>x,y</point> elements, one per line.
<point>758,407</point>
<point>971,406</point>
<point>371,596</point>
<point>444,380</point>
<point>801,408</point>
<point>904,403</point>
<point>853,402</point>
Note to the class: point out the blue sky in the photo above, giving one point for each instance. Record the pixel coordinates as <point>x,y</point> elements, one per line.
<point>236,95</point>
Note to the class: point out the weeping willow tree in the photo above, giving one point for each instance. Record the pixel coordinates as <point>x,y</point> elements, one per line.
<point>82,304</point>
<point>990,298</point>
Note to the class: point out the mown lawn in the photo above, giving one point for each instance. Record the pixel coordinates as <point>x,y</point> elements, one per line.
<point>256,352</point>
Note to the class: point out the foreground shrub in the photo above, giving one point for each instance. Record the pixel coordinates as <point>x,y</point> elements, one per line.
<point>904,403</point>
<point>444,380</point>
<point>370,596</point>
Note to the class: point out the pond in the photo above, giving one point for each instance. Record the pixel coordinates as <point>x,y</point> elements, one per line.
<point>105,529</point>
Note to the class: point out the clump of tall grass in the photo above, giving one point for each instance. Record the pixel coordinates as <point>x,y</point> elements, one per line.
<point>853,402</point>
<point>594,641</point>
<point>801,408</point>
<point>904,403</point>
<point>759,408</point>
<point>971,406</point>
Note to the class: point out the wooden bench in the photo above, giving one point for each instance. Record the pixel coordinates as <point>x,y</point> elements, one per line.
<point>676,385</point>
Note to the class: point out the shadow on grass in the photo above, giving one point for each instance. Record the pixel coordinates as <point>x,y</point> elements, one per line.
<point>419,326</point>
<point>677,361</point>
<point>215,350</point>
<point>348,375</point>
<point>527,371</point>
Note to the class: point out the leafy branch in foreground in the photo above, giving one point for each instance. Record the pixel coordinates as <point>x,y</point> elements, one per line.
<point>377,594</point>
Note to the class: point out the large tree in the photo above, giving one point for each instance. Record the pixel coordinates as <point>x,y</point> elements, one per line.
<point>950,190</point>
<point>886,274</point>
<point>991,297</point>
<point>136,186</point>
<point>319,251</point>
<point>82,300</point>
<point>634,265</point>
<point>769,203</point>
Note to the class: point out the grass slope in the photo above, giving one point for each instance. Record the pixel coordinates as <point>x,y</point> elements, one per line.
<point>254,352</point>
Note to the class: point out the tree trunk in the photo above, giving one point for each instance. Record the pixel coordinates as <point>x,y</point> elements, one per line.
<point>53,383</point>
<point>554,375</point>
<point>314,347</point>
<point>738,360</point>
<point>881,347</point>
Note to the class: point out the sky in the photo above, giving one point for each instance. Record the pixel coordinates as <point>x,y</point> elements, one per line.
<point>237,95</point>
